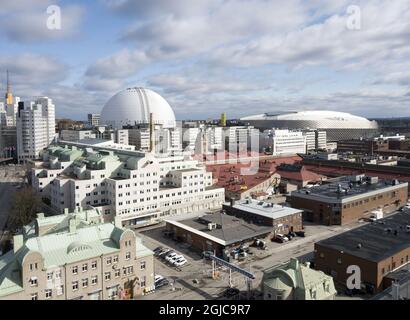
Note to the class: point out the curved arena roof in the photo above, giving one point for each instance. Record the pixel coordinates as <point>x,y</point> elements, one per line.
<point>318,120</point>
<point>338,125</point>
<point>134,105</point>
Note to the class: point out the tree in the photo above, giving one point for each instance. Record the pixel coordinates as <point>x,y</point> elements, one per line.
<point>26,205</point>
<point>27,172</point>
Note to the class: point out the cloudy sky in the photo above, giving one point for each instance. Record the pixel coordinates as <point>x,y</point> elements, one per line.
<point>208,56</point>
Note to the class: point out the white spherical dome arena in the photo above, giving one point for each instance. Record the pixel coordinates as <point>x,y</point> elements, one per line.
<point>133,106</point>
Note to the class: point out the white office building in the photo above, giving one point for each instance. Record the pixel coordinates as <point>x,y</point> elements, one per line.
<point>238,138</point>
<point>315,139</point>
<point>93,119</point>
<point>281,142</point>
<point>35,128</point>
<point>140,188</point>
<point>76,135</point>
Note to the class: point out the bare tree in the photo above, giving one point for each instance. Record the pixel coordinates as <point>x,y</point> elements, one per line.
<point>27,172</point>
<point>25,207</point>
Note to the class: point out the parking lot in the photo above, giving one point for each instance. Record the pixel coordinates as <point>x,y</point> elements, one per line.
<point>194,280</point>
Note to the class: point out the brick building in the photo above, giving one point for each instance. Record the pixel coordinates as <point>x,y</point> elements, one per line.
<point>282,219</point>
<point>363,146</point>
<point>349,199</point>
<point>379,249</point>
<point>242,223</point>
<point>218,232</point>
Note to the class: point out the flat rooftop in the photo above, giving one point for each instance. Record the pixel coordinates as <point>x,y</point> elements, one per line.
<point>376,241</point>
<point>229,229</point>
<point>266,209</point>
<point>346,187</point>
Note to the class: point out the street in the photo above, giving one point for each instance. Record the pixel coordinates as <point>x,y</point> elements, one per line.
<point>194,281</point>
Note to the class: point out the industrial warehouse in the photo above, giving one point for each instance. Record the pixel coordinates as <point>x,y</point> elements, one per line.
<point>240,224</point>
<point>379,249</point>
<point>348,199</point>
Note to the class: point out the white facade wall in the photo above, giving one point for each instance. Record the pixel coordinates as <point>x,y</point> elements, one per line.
<point>153,187</point>
<point>76,135</point>
<point>283,142</point>
<point>35,128</point>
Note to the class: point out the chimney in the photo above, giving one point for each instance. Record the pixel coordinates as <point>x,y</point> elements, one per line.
<point>18,242</point>
<point>294,263</point>
<point>72,225</point>
<point>118,222</point>
<point>151,132</point>
<point>395,291</point>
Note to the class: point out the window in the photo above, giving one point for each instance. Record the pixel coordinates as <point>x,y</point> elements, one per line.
<point>142,265</point>
<point>115,259</point>
<point>49,293</point>
<point>339,260</point>
<point>60,290</point>
<point>107,276</point>
<point>58,274</point>
<point>94,280</point>
<point>34,296</point>
<point>85,267</point>
<point>117,273</point>
<point>109,260</point>
<point>94,265</point>
<point>33,266</point>
<point>128,270</point>
<point>33,281</point>
<point>75,270</point>
<point>128,256</point>
<point>75,285</point>
<point>143,281</point>
<point>49,276</point>
<point>85,283</point>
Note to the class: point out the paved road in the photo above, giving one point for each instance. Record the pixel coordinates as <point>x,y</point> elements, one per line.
<point>209,289</point>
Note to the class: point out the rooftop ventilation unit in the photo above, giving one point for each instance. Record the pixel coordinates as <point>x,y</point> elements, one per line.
<point>212,226</point>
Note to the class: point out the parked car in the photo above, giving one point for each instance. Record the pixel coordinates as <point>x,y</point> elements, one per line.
<point>173,257</point>
<point>293,234</point>
<point>164,252</point>
<point>180,262</point>
<point>281,238</point>
<point>300,233</point>
<point>372,219</point>
<point>161,283</point>
<point>158,250</point>
<point>231,292</point>
<point>207,254</point>
<point>158,278</point>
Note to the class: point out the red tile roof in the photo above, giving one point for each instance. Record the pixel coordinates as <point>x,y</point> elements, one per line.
<point>303,175</point>
<point>241,177</point>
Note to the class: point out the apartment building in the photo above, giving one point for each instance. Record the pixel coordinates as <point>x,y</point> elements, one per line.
<point>76,256</point>
<point>315,139</point>
<point>35,127</point>
<point>93,119</point>
<point>202,139</point>
<point>140,188</point>
<point>280,142</point>
<point>76,135</point>
<point>239,138</point>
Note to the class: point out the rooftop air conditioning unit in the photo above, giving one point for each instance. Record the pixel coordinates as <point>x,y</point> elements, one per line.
<point>211,226</point>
